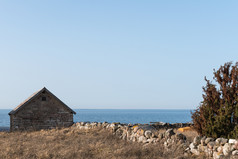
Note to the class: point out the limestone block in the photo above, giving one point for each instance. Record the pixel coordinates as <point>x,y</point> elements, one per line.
<point>197,140</point>
<point>148,134</point>
<point>192,146</point>
<point>232,141</point>
<point>160,136</point>
<point>221,141</point>
<point>203,140</point>
<point>142,139</point>
<point>209,139</point>
<point>220,149</point>
<point>227,148</point>
<point>235,153</point>
<point>169,133</point>
<point>195,152</point>
<point>211,144</point>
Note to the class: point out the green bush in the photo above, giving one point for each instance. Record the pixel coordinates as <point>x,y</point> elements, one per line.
<point>217,115</point>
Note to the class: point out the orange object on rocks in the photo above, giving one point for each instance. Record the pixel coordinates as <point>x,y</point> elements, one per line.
<point>185,129</point>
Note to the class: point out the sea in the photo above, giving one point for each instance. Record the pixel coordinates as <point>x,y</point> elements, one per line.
<point>133,116</point>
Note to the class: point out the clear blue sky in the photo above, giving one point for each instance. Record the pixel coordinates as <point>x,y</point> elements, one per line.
<point>114,54</point>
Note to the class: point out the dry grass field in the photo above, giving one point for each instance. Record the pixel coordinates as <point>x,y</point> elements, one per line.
<point>70,143</point>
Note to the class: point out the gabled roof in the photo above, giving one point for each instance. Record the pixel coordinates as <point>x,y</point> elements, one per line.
<point>33,96</point>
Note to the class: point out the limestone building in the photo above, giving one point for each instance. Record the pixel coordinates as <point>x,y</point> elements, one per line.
<point>42,110</point>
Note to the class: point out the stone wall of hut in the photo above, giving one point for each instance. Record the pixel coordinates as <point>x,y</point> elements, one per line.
<point>44,112</point>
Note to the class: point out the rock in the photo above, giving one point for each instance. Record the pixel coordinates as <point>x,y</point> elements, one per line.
<point>87,124</point>
<point>151,140</point>
<point>148,134</point>
<point>162,140</point>
<point>227,149</point>
<point>195,151</point>
<point>211,144</point>
<point>160,136</point>
<point>215,147</point>
<point>113,127</point>
<point>124,136</point>
<point>209,139</point>
<point>197,140</point>
<point>187,149</point>
<point>232,141</point>
<point>220,149</point>
<point>104,124</point>
<point>221,141</point>
<point>132,138</point>
<point>142,139</point>
<point>202,148</point>
<point>86,127</point>
<point>128,134</point>
<point>126,128</point>
<point>157,140</point>
<point>170,141</point>
<point>192,146</point>
<point>180,136</point>
<point>203,140</point>
<point>99,124</point>
<point>119,132</point>
<point>218,155</point>
<point>169,133</point>
<point>235,153</point>
<point>236,145</point>
<point>209,152</point>
<point>93,124</point>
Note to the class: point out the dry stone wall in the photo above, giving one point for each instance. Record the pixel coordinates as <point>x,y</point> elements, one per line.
<point>148,134</point>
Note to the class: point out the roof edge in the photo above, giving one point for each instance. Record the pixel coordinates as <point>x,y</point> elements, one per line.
<point>34,95</point>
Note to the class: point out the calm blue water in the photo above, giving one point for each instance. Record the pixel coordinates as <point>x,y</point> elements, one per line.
<point>120,115</point>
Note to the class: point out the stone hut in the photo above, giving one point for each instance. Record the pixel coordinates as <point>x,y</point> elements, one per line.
<point>42,110</point>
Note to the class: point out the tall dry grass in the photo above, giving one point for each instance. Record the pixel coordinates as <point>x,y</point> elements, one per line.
<point>70,143</point>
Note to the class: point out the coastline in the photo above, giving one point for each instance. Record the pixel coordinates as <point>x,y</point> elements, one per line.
<point>4,128</point>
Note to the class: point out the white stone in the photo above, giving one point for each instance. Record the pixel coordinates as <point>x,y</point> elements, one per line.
<point>195,151</point>
<point>232,141</point>
<point>148,134</point>
<point>142,139</point>
<point>192,146</point>
<point>209,139</point>
<point>151,140</point>
<point>220,149</point>
<point>221,141</point>
<point>227,149</point>
<point>200,148</point>
<point>235,153</point>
